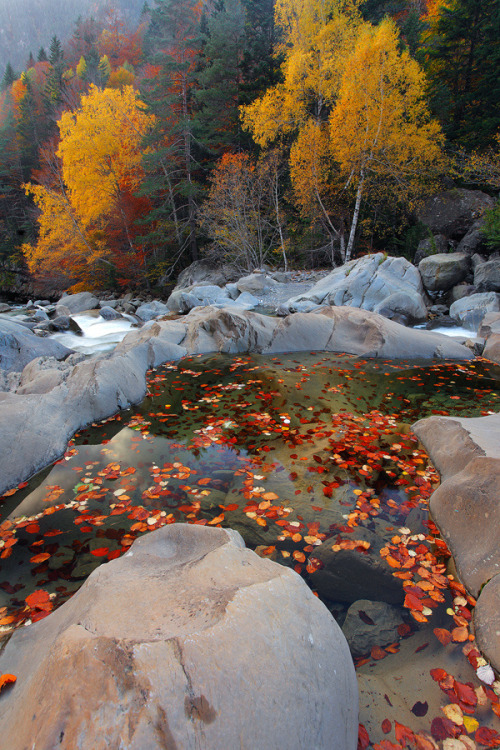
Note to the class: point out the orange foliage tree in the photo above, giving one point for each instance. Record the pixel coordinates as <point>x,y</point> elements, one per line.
<point>88,207</point>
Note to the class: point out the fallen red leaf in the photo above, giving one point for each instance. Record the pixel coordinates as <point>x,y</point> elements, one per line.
<point>7,679</point>
<point>386,726</point>
<point>443,635</point>
<point>363,738</point>
<point>487,737</point>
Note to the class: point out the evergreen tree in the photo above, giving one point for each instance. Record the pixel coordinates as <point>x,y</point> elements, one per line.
<point>55,84</point>
<point>31,62</point>
<point>260,66</point>
<point>42,55</point>
<point>104,70</point>
<point>8,77</point>
<point>172,45</point>
<point>219,78</point>
<point>464,69</point>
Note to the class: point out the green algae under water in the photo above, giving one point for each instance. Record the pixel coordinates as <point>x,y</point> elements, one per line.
<point>295,452</point>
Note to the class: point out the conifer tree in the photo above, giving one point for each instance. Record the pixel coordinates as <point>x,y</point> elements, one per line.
<point>463,63</point>
<point>42,55</point>
<point>8,77</point>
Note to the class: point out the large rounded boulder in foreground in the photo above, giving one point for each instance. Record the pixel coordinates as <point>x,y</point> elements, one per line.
<point>188,641</point>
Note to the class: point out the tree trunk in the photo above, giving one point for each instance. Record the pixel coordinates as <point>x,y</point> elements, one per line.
<point>355,216</point>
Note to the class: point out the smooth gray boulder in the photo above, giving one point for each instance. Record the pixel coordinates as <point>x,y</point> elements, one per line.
<point>491,349</point>
<point>487,276</point>
<point>454,212</point>
<point>437,243</point>
<point>452,442</point>
<point>486,627</point>
<point>152,310</point>
<point>466,510</point>
<point>256,283</point>
<point>369,624</point>
<point>373,282</point>
<point>19,345</point>
<point>76,303</point>
<point>183,300</point>
<point>109,313</point>
<point>221,649</point>
<point>205,272</point>
<point>470,311</point>
<point>442,271</point>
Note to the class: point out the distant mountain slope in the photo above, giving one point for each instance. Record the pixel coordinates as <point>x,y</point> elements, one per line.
<point>27,25</point>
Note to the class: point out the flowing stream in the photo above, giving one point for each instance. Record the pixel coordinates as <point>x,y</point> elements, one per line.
<point>303,454</point>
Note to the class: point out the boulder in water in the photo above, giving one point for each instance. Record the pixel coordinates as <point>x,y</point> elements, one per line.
<point>190,640</point>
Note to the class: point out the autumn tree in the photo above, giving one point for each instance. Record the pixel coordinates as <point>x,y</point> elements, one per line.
<point>380,128</point>
<point>353,104</point>
<point>88,207</point>
<point>317,37</point>
<point>241,214</point>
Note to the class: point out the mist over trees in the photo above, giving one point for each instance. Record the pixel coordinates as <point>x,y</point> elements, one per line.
<point>29,25</point>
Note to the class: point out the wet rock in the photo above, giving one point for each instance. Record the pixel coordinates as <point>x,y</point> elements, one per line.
<point>151,310</point>
<point>467,511</point>
<point>18,346</point>
<point>486,621</point>
<point>4,307</point>
<point>442,271</point>
<point>470,311</point>
<point>109,303</point>
<point>487,276</point>
<point>454,212</point>
<point>374,282</point>
<point>183,300</point>
<point>109,313</point>
<point>191,664</point>
<point>369,624</point>
<point>77,303</point>
<point>65,323</point>
<point>349,575</point>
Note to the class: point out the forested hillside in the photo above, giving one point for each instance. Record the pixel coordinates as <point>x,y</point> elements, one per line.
<point>27,25</point>
<point>303,133</point>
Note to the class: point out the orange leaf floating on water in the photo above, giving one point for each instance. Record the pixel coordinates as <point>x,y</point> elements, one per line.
<point>459,635</point>
<point>39,600</point>
<point>7,679</point>
<point>378,653</point>
<point>299,556</point>
<point>232,506</point>
<point>99,551</point>
<point>114,554</point>
<point>41,557</point>
<point>403,733</point>
<point>216,520</point>
<point>443,635</point>
<point>270,496</point>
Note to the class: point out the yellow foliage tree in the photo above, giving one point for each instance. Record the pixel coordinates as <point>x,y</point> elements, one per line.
<point>88,209</point>
<point>353,104</point>
<point>380,127</point>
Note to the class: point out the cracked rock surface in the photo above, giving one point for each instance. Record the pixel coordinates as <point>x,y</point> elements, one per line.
<point>188,641</point>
